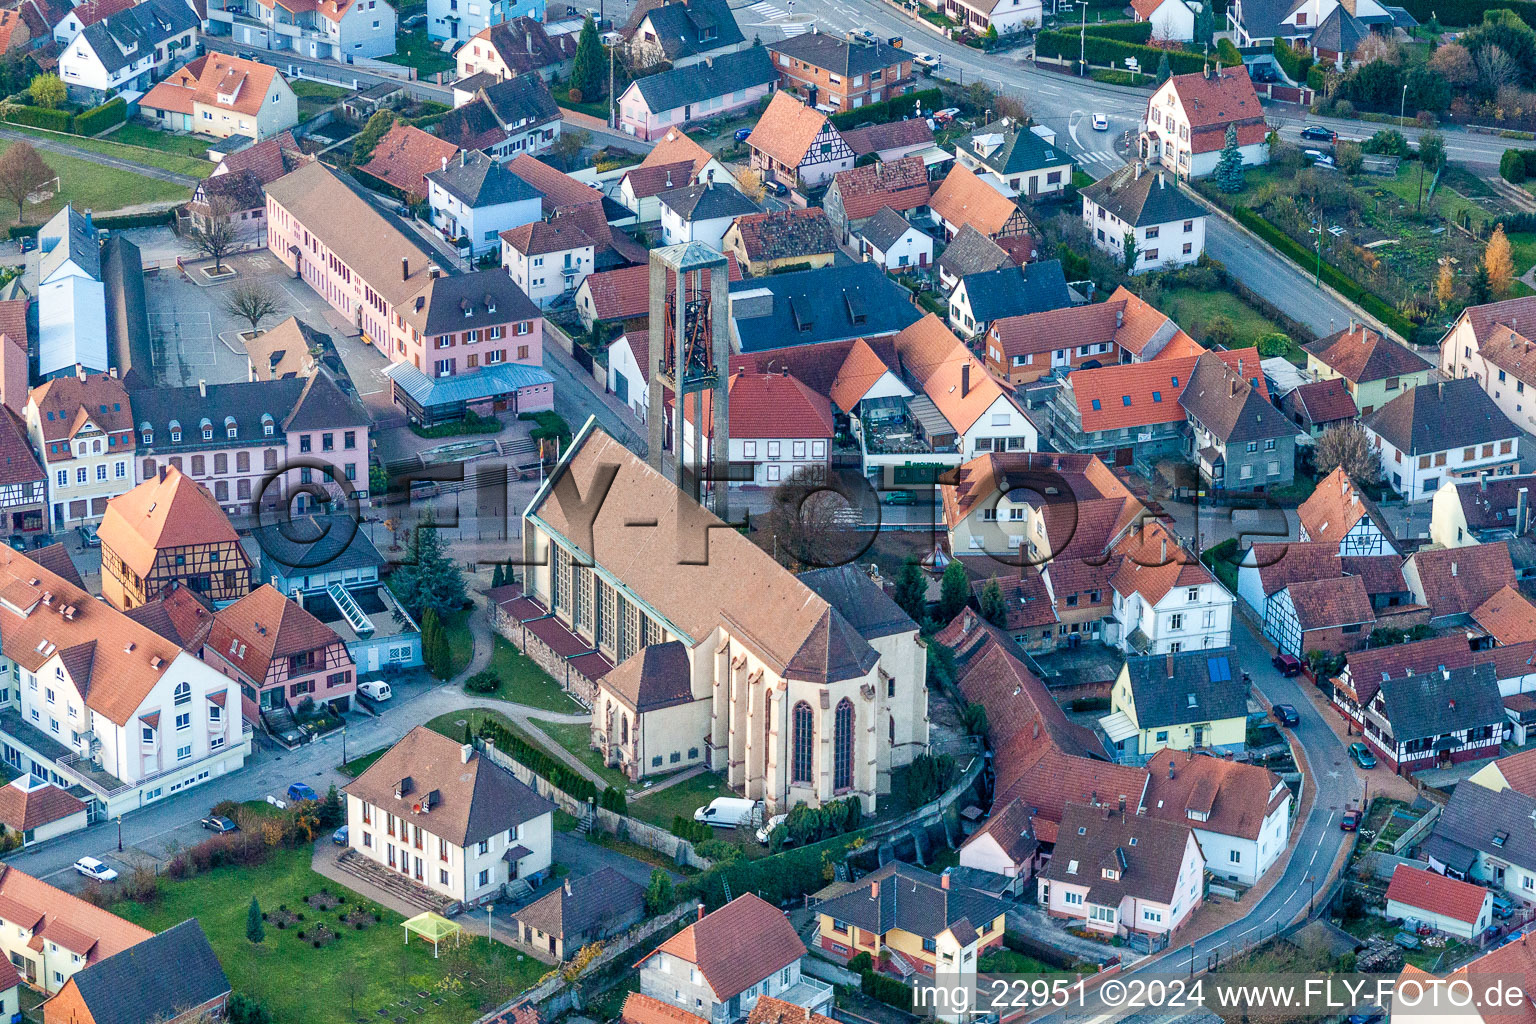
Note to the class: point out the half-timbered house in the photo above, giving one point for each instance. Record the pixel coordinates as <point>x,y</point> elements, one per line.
<point>796,144</point>
<point>280,654</point>
<point>23,492</point>
<point>170,529</point>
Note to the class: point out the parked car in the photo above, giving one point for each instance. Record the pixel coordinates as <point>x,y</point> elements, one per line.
<point>1351,820</point>
<point>90,867</point>
<point>302,791</point>
<point>339,837</point>
<point>246,55</point>
<point>1503,907</point>
<point>727,811</point>
<point>765,834</point>
<point>218,823</point>
<point>1362,755</point>
<point>946,115</point>
<point>1317,133</point>
<point>927,61</point>
<point>1287,664</point>
<point>742,134</point>
<point>87,535</point>
<point>376,689</point>
<point>28,243</point>
<point>775,188</point>
<point>1100,122</point>
<point>1286,715</point>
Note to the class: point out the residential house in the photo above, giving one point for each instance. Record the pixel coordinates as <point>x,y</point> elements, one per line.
<point>1434,719</point>
<point>776,1011</point>
<point>547,261</point>
<point>675,146</point>
<point>812,307</point>
<point>1241,441</point>
<point>1120,872</point>
<point>1005,845</point>
<point>14,368</point>
<point>1455,908</point>
<point>1190,700</point>
<point>702,212</point>
<point>857,194</point>
<point>1364,671</point>
<point>681,32</point>
<point>64,22</point>
<point>781,430</point>
<point>932,924</point>
<point>167,530</point>
<point>37,810</point>
<point>1168,227</point>
<point>581,910</point>
<point>971,252</point>
<point>1188,117</point>
<point>329,566</point>
<point>82,426</point>
<point>1240,813</point>
<point>795,144</point>
<point>1024,349</point>
<point>672,100</point>
<point>1172,21</point>
<point>447,19</point>
<point>893,140</point>
<point>232,437</point>
<point>629,372</point>
<point>1454,582</point>
<point>128,50</point>
<point>1014,158</point>
<point>1030,611</point>
<point>965,198</point>
<point>1374,369</point>
<point>237,186</point>
<point>477,198</point>
<point>71,298</point>
<point>514,117</point>
<point>979,300</point>
<point>1320,405</point>
<point>405,156</point>
<point>1165,600</point>
<point>1260,24</point>
<point>51,935</point>
<point>221,95</point>
<point>515,46</point>
<point>721,965</point>
<point>1512,772</point>
<point>1428,436</point>
<point>1485,344</point>
<point>478,335</point>
<point>623,295</point>
<point>764,243</point>
<point>23,481</point>
<point>280,654</point>
<point>639,190</point>
<point>1266,569</point>
<point>1337,512</point>
<point>1484,835</point>
<point>572,202</point>
<point>1333,614</point>
<point>339,30</point>
<point>103,702</point>
<point>447,816</point>
<point>1471,512</point>
<point>1005,16</point>
<point>286,351</point>
<point>835,74</point>
<point>173,977</point>
<point>1508,617</point>
<point>742,584</point>
<point>890,240</point>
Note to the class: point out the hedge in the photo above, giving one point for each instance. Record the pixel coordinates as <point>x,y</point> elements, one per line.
<point>1336,278</point>
<point>1228,52</point>
<point>1125,31</point>
<point>1294,64</point>
<point>531,757</point>
<point>42,117</point>
<point>1317,78</point>
<point>886,989</point>
<point>1107,52</point>
<point>104,223</point>
<point>99,119</point>
<point>1462,13</point>
<point>893,109</point>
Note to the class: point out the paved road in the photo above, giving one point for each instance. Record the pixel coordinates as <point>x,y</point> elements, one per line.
<point>1472,148</point>
<point>62,145</point>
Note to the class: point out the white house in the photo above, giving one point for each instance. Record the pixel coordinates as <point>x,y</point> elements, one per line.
<point>464,19</point>
<point>444,815</point>
<point>1007,16</point>
<point>220,95</point>
<point>517,46</point>
<point>130,50</point>
<point>477,198</point>
<point>71,299</point>
<point>1337,511</point>
<point>890,240</point>
<point>702,213</point>
<point>1240,813</point>
<point>547,260</point>
<point>779,427</point>
<point>656,104</point>
<point>1165,600</point>
<point>1173,21</point>
<point>1430,435</point>
<point>1487,345</point>
<point>1016,158</point>
<point>627,379</point>
<point>341,30</point>
<point>1005,845</point>
<point>1447,905</point>
<point>1169,226</point>
<point>1188,117</point>
<point>639,190</point>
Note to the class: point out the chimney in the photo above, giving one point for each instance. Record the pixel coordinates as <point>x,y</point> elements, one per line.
<point>80,371</point>
<point>669,179</point>
<point>1522,511</point>
<point>710,180</point>
<point>874,890</point>
<point>1440,391</point>
<point>568,886</point>
<point>466,751</point>
<point>202,388</point>
<point>965,379</point>
<point>944,879</point>
<point>1482,480</point>
<point>528,39</point>
<point>1239,366</point>
<point>1164,560</point>
<point>445,163</point>
<point>1136,174</point>
<point>432,272</point>
<point>1122,806</point>
<point>463,158</point>
<point>1119,318</point>
<point>1162,179</point>
<point>163,470</point>
<point>113,372</point>
<point>1453,568</point>
<point>405,268</point>
<point>701,912</point>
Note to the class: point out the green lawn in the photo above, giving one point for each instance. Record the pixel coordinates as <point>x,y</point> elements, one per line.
<point>97,187</point>
<point>461,642</point>
<point>596,107</point>
<point>316,96</point>
<point>415,50</point>
<point>1194,310</point>
<point>661,807</point>
<point>523,682</point>
<point>576,737</point>
<point>143,136</point>
<point>138,154</point>
<point>448,724</point>
<point>353,977</point>
<point>355,767</point>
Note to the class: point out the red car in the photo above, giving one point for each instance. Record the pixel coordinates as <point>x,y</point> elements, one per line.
<point>1351,820</point>
<point>1287,664</point>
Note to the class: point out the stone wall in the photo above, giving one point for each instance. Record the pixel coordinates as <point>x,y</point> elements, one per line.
<point>558,667</point>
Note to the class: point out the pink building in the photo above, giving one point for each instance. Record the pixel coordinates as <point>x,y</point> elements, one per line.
<point>456,342</point>
<point>280,654</point>
<point>654,105</point>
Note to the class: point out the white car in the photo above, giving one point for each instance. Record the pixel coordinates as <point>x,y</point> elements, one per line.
<point>766,832</point>
<point>1100,123</point>
<point>90,867</point>
<point>926,60</point>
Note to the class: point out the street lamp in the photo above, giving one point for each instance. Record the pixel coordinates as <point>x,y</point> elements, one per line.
<point>1402,108</point>
<point>1317,275</point>
<point>119,833</point>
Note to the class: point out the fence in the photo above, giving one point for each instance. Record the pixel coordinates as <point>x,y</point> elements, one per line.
<point>1417,829</point>
<point>582,357</point>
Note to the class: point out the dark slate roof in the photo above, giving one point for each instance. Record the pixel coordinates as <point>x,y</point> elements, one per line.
<point>68,235</point>
<point>1438,703</point>
<point>322,403</point>
<point>683,27</point>
<point>142,27</point>
<point>827,304</point>
<point>1439,417</point>
<point>491,296</point>
<point>885,228</point>
<point>860,600</point>
<point>971,252</point>
<point>156,979</point>
<point>1017,291</point>
<point>298,546</point>
<point>913,900</point>
<point>1340,32</point>
<point>248,402</point>
<point>1477,818</point>
<point>1204,686</point>
<point>1021,149</point>
<point>707,201</point>
<point>1229,406</point>
<point>1143,200</point>
<point>583,904</point>
<point>728,73</point>
<point>520,101</point>
<point>840,56</point>
<point>1261,18</point>
<point>128,345</point>
<point>478,181</point>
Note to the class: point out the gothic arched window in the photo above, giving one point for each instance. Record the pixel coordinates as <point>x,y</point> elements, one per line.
<point>842,746</point>
<point>804,732</point>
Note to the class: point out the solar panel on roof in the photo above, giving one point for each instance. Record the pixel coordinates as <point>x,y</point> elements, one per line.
<point>1219,670</point>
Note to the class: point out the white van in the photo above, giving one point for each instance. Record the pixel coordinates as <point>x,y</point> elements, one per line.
<point>377,689</point>
<point>729,812</point>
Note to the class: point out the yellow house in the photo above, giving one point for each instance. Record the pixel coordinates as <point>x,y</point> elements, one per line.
<point>907,936</point>
<point>1374,369</point>
<point>1183,701</point>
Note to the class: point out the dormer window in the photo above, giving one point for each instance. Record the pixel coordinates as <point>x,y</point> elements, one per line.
<point>183,694</point>
<point>207,429</point>
<point>148,436</point>
<point>175,432</point>
<point>229,427</point>
<point>266,424</point>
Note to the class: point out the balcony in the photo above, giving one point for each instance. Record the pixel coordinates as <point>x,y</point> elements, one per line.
<point>811,993</point>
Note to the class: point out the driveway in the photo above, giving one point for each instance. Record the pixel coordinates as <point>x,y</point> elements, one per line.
<point>585,858</point>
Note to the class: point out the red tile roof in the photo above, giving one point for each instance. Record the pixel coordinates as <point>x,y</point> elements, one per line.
<point>1360,354</point>
<point>776,1011</point>
<point>210,78</point>
<point>890,135</point>
<point>1224,96</point>
<point>786,129</point>
<point>675,146</point>
<point>1320,604</point>
<point>1455,581</point>
<point>1286,562</point>
<point>901,185</point>
<point>817,366</point>
<point>768,405</point>
<point>265,159</point>
<point>264,627</point>
<point>542,237</point>
<point>1212,139</point>
<point>406,155</point>
<point>1519,770</point>
<point>1508,616</point>
<point>560,190</point>
<point>1025,595</point>
<point>23,809</point>
<point>738,945</point>
<point>640,1008</point>
<point>1325,401</point>
<point>167,511</point>
<point>625,293</point>
<point>859,372</point>
<point>1333,509</point>
<point>1153,562</point>
<point>1142,394</point>
<point>1236,797</point>
<point>649,180</point>
<point>1491,315</point>
<point>92,11</point>
<point>1426,890</point>
<point>963,198</point>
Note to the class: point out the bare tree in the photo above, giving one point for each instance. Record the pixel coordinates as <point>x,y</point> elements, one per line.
<point>750,183</point>
<point>569,146</point>
<point>1347,446</point>
<point>1495,69</point>
<point>22,172</point>
<point>215,235</point>
<point>253,302</point>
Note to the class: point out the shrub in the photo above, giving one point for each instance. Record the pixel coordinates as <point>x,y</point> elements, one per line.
<point>694,831</point>
<point>1461,13</point>
<point>886,989</point>
<point>613,799</point>
<point>1227,51</point>
<point>539,762</point>
<point>1106,52</point>
<point>718,850</point>
<point>1294,63</point>
<point>1512,166</point>
<point>1125,31</point>
<point>860,963</point>
<point>574,95</point>
<point>1273,345</point>
<point>484,681</point>
<point>99,119</point>
<point>41,117</point>
<point>893,109</point>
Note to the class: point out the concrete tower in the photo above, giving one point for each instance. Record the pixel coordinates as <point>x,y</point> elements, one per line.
<point>690,343</point>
